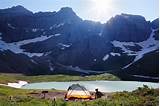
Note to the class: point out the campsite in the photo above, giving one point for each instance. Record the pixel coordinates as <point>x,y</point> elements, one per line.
<point>22,97</point>
<point>79,53</point>
<point>39,93</point>
<point>75,92</point>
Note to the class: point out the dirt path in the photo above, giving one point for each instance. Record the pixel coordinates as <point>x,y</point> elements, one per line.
<point>50,95</point>
<point>58,94</point>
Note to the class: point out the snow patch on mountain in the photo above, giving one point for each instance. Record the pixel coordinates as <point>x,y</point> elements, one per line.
<point>16,46</point>
<point>56,26</point>
<point>115,54</point>
<point>38,39</point>
<point>63,46</point>
<point>47,53</point>
<point>51,27</point>
<point>147,46</point>
<point>105,57</point>
<point>51,66</point>
<point>123,45</point>
<point>10,26</point>
<point>59,25</point>
<point>57,34</point>
<point>33,61</point>
<point>100,33</point>
<point>16,49</point>
<point>94,59</point>
<point>34,30</point>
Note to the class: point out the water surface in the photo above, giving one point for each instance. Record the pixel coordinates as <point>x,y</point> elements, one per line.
<point>104,86</point>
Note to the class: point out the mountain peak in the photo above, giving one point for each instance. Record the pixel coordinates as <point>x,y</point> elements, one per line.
<point>135,17</point>
<point>19,10</point>
<point>67,13</point>
<point>128,17</point>
<point>66,10</point>
<point>131,27</point>
<point>18,7</point>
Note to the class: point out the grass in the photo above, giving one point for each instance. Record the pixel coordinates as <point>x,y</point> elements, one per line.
<point>143,96</point>
<point>5,78</point>
<point>6,91</point>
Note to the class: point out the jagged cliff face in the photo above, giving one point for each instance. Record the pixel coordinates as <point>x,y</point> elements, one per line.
<point>127,28</point>
<point>61,42</point>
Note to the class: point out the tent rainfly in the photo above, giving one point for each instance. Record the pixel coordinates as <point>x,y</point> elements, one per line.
<point>77,91</point>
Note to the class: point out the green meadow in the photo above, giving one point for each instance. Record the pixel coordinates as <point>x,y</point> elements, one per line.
<point>5,78</point>
<point>143,96</point>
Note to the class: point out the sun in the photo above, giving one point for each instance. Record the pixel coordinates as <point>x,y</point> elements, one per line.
<point>101,9</point>
<point>102,5</point>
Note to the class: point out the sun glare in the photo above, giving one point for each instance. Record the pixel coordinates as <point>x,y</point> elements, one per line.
<point>102,9</point>
<point>102,5</point>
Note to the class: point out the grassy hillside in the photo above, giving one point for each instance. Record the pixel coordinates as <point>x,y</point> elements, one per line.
<point>5,78</point>
<point>141,97</point>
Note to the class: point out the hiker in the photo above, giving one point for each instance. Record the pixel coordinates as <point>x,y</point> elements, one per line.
<point>98,94</point>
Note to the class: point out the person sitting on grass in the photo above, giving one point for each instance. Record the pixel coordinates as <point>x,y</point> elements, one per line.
<point>98,94</point>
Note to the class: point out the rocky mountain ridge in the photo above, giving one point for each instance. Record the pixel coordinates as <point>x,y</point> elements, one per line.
<point>62,42</point>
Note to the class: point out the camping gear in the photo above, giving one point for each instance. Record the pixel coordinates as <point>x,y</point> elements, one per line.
<point>44,94</point>
<point>77,91</point>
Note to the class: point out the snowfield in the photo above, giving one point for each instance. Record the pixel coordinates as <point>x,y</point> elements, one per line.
<point>19,84</point>
<point>16,46</point>
<point>147,46</point>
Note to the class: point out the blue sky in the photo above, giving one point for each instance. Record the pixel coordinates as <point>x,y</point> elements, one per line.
<point>97,10</point>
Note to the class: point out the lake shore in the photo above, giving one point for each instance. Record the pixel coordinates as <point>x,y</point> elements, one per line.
<point>21,97</point>
<point>12,78</point>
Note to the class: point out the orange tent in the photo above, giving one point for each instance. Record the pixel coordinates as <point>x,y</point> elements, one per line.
<point>77,91</point>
